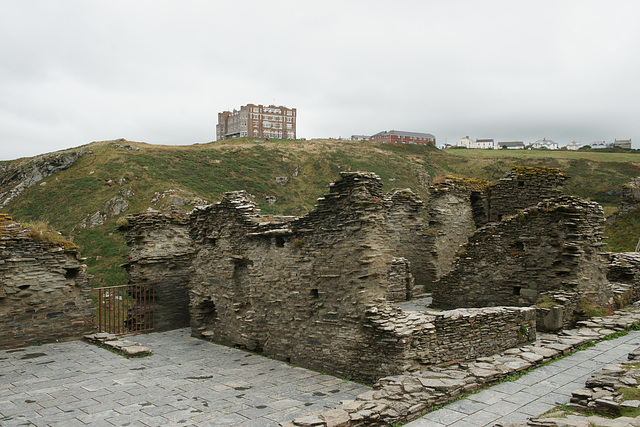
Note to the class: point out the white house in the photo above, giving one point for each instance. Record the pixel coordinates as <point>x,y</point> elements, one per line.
<point>545,143</point>
<point>464,142</point>
<point>574,146</point>
<point>483,144</point>
<point>511,145</point>
<point>600,144</point>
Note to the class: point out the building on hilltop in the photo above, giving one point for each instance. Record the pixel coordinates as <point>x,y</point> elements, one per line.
<point>483,144</point>
<point>545,143</point>
<point>622,143</point>
<point>599,145</point>
<point>574,146</point>
<point>511,145</point>
<point>257,121</point>
<point>402,137</point>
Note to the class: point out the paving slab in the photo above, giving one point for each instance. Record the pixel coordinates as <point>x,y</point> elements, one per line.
<point>186,381</point>
<point>533,393</point>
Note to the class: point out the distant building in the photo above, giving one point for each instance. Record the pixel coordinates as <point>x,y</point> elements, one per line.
<point>545,143</point>
<point>359,137</point>
<point>599,145</point>
<point>483,144</point>
<point>574,146</point>
<point>622,143</point>
<point>465,142</point>
<point>511,145</point>
<point>257,121</point>
<point>402,137</point>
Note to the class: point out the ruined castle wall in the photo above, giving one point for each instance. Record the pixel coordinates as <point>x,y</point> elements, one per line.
<point>411,340</point>
<point>406,235</point>
<point>44,291</point>
<point>524,187</point>
<point>295,289</point>
<point>160,253</point>
<point>451,222</point>
<point>625,268</point>
<point>630,199</point>
<point>555,245</point>
<point>316,291</point>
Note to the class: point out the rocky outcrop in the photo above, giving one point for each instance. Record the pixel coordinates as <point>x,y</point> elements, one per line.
<point>17,176</point>
<point>44,291</point>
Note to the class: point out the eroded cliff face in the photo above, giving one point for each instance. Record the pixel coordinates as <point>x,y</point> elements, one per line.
<point>44,291</point>
<point>17,176</point>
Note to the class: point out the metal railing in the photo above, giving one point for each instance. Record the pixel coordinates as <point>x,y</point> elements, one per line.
<point>126,309</point>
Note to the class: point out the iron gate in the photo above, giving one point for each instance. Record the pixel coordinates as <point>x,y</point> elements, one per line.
<point>126,309</point>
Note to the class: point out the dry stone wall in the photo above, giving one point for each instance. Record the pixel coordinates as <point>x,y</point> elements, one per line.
<point>316,290</point>
<point>524,187</point>
<point>555,245</point>
<point>44,291</point>
<point>160,253</point>
<point>630,196</point>
<point>455,208</point>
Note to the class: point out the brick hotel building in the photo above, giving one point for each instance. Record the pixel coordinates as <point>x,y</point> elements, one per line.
<point>257,121</point>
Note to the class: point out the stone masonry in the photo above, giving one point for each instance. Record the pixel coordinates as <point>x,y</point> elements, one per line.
<point>316,290</point>
<point>44,291</point>
<point>161,252</point>
<point>554,245</point>
<point>524,187</point>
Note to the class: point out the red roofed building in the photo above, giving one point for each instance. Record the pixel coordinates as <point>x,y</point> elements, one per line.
<point>401,137</point>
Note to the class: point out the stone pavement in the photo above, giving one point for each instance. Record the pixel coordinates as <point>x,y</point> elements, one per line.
<point>534,393</point>
<point>185,382</point>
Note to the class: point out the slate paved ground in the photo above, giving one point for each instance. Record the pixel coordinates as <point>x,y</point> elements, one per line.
<point>185,382</point>
<point>534,393</point>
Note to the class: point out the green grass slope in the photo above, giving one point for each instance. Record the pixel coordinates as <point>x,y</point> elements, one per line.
<point>209,170</point>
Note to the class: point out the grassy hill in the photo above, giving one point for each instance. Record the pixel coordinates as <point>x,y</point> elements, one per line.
<point>109,170</point>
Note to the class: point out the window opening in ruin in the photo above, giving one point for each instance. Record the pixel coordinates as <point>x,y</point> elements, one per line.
<point>211,241</point>
<point>71,273</point>
<point>516,290</point>
<point>520,183</point>
<point>314,293</point>
<point>280,242</point>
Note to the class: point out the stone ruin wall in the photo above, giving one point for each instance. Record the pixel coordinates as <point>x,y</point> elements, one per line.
<point>44,291</point>
<point>454,210</point>
<point>316,290</point>
<point>524,187</point>
<point>554,245</point>
<point>160,253</point>
<point>630,199</point>
<point>302,289</point>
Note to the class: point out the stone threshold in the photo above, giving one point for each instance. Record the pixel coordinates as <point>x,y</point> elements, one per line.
<point>117,344</point>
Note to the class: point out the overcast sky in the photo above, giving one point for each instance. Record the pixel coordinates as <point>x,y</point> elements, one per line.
<point>72,72</point>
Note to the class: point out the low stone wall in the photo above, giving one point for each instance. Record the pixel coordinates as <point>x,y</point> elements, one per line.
<point>401,398</point>
<point>44,291</point>
<point>411,340</point>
